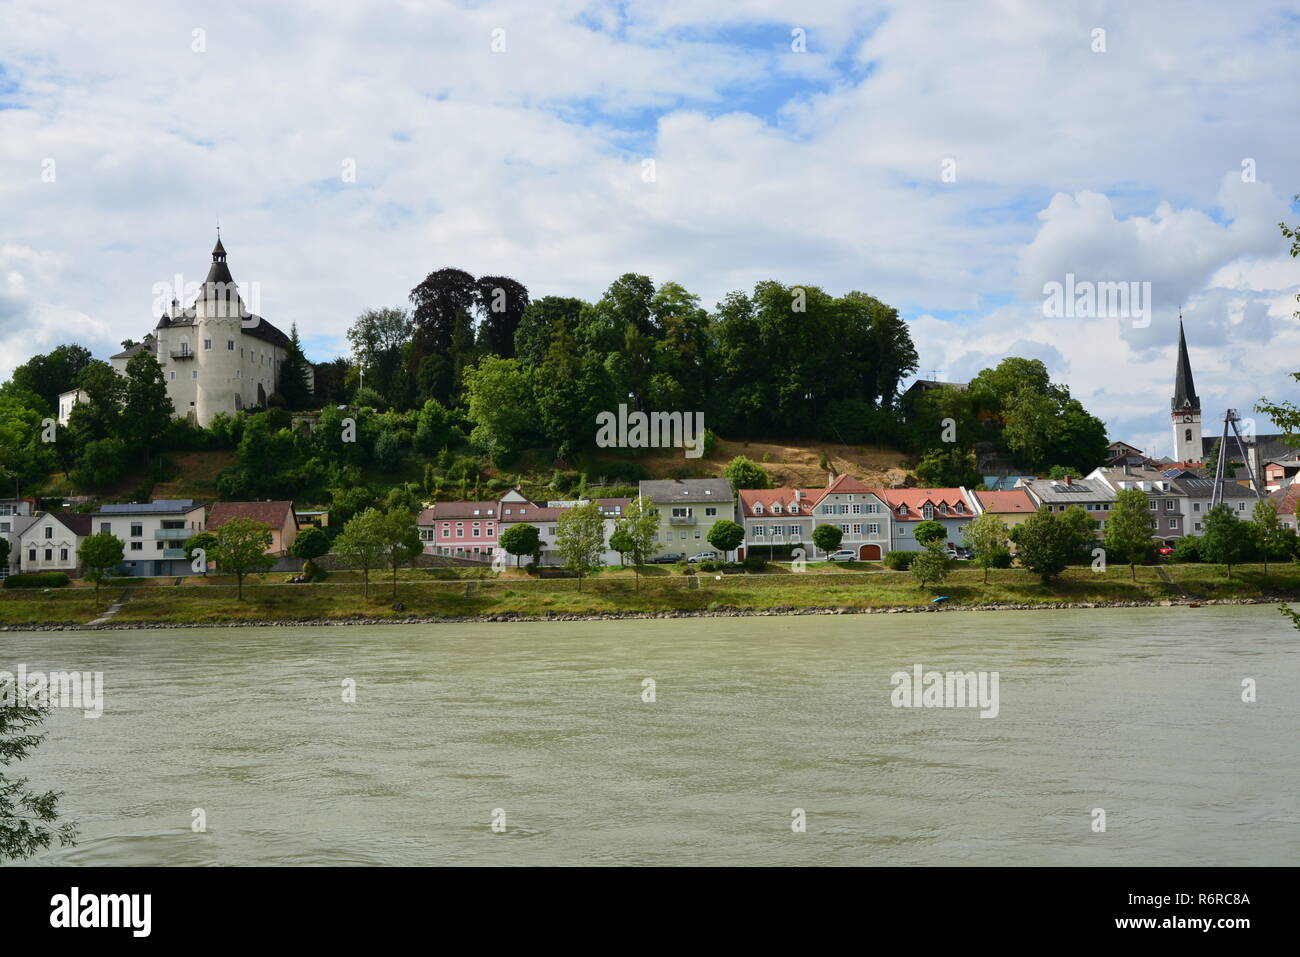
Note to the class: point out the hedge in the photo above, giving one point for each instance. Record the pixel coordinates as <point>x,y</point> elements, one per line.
<point>37,580</point>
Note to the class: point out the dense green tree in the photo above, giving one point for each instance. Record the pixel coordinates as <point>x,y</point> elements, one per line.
<point>501,403</point>
<point>580,539</point>
<point>930,567</point>
<point>401,541</point>
<point>986,536</point>
<point>295,385</point>
<point>744,473</point>
<point>310,543</point>
<point>1272,538</point>
<point>521,539</point>
<point>726,536</point>
<point>1129,527</point>
<point>949,467</point>
<point>241,549</point>
<point>48,376</point>
<point>639,527</point>
<point>99,553</point>
<point>364,544</point>
<point>930,534</point>
<point>827,537</point>
<point>101,463</point>
<point>501,303</point>
<point>1225,540</point>
<point>147,410</point>
<point>1044,545</point>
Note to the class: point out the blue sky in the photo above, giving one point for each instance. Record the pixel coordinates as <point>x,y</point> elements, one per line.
<point>823,167</point>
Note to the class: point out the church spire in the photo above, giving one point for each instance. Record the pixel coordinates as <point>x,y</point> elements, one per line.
<point>219,272</point>
<point>1184,389</point>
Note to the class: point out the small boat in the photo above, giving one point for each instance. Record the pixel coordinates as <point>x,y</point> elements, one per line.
<point>935,601</point>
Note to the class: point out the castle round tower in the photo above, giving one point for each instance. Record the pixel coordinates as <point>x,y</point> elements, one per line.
<point>218,322</point>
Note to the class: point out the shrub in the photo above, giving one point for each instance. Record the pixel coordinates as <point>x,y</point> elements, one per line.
<point>1188,549</point>
<point>37,580</point>
<point>709,565</point>
<point>313,572</point>
<point>755,563</point>
<point>899,561</point>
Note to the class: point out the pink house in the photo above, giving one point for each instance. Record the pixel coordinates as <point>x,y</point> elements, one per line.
<point>460,529</point>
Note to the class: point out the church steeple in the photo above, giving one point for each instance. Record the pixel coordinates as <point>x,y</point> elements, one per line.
<point>219,271</point>
<point>1184,389</point>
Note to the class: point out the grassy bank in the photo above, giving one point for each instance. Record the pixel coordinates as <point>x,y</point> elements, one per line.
<point>194,601</point>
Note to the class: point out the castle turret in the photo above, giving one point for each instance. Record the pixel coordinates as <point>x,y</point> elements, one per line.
<point>1185,407</point>
<point>218,318</point>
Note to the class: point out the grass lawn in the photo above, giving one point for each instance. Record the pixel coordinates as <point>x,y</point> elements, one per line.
<point>454,592</point>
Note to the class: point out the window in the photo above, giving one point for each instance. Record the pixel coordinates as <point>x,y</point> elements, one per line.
<point>844,529</point>
<point>1187,435</point>
<point>1241,506</point>
<point>758,508</point>
<point>137,529</point>
<point>239,373</point>
<point>681,536</point>
<point>1173,524</point>
<point>63,554</point>
<point>194,374</point>
<point>760,531</point>
<point>207,345</point>
<point>710,512</point>
<point>31,554</point>
<point>1170,505</point>
<point>1196,507</point>
<point>477,532</point>
<point>49,554</point>
<point>873,529</point>
<point>491,529</point>
<point>1152,505</point>
<point>857,510</point>
<point>137,546</point>
<point>49,532</point>
<point>172,376</point>
<point>160,546</point>
<point>776,508</point>
<point>697,534</point>
<point>230,345</point>
<point>927,511</point>
<point>1198,526</point>
<point>857,529</point>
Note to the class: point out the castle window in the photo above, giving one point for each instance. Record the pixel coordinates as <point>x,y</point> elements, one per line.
<point>207,345</point>
<point>1187,435</point>
<point>230,345</point>
<point>194,374</point>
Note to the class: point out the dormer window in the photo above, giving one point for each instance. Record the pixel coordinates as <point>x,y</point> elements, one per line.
<point>758,508</point>
<point>928,511</point>
<point>776,508</point>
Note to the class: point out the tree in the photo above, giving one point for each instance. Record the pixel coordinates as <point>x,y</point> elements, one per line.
<point>48,376</point>
<point>27,819</point>
<point>378,338</point>
<point>947,468</point>
<point>1079,530</point>
<point>502,302</point>
<point>363,544</point>
<point>580,539</point>
<point>827,537</point>
<point>639,525</point>
<point>521,539</point>
<point>501,404</point>
<point>310,544</point>
<point>99,553</point>
<point>204,540</point>
<point>1224,541</point>
<point>1273,539</point>
<point>930,567</point>
<point>1043,544</point>
<point>401,540</point>
<point>726,535</point>
<point>930,533</point>
<point>295,385</point>
<point>101,463</point>
<point>1128,529</point>
<point>742,472</point>
<point>241,549</point>
<point>621,542</point>
<point>986,537</point>
<point>147,410</point>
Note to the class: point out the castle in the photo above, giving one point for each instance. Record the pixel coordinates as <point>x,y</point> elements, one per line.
<point>216,356</point>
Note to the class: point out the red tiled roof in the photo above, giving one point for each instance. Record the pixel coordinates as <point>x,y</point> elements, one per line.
<point>487,511</point>
<point>784,497</point>
<point>1286,499</point>
<point>1010,501</point>
<point>268,513</point>
<point>845,483</point>
<point>917,498</point>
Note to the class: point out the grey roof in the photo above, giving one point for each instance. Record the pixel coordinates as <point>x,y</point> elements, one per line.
<point>149,344</point>
<point>1184,388</point>
<point>665,491</point>
<point>1056,491</point>
<point>1198,487</point>
<point>162,506</point>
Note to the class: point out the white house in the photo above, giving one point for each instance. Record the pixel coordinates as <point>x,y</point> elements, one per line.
<point>50,543</point>
<point>15,516</point>
<point>153,533</point>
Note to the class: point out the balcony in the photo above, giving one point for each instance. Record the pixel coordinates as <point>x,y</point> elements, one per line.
<point>183,354</point>
<point>681,520</point>
<point>173,534</point>
<point>173,553</point>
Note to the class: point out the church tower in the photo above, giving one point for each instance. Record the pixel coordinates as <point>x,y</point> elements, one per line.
<point>1185,408</point>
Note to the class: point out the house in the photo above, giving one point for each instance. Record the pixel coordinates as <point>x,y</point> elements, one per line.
<point>153,533</point>
<point>862,514</point>
<point>66,402</point>
<point>1198,492</point>
<point>908,507</point>
<point>1092,495</point>
<point>1280,472</point>
<point>1119,454</point>
<point>1165,499</point>
<point>465,529</point>
<point>1013,506</point>
<point>687,510</point>
<point>318,517</point>
<point>1285,501</point>
<point>50,543</point>
<point>16,514</point>
<point>777,518</point>
<point>278,516</point>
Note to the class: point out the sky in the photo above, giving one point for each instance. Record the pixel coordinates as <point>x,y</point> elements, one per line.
<point>951,159</point>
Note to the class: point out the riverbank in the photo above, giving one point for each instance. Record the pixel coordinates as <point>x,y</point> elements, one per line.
<point>419,600</point>
<point>631,616</point>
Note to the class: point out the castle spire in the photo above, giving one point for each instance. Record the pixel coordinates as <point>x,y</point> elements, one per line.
<point>1184,389</point>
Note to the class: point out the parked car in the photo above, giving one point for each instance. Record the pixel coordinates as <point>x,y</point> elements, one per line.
<point>704,557</point>
<point>668,558</point>
<point>1164,550</point>
<point>843,555</point>
<point>963,553</point>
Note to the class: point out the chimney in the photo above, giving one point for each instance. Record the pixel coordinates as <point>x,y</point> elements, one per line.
<point>830,479</point>
<point>1067,480</point>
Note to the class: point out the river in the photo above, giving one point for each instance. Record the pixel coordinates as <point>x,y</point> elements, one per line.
<point>1137,712</point>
